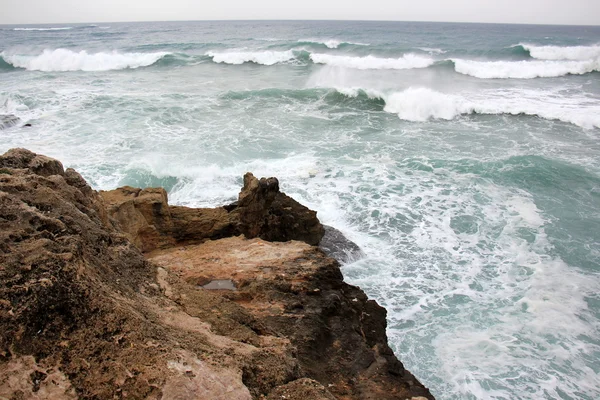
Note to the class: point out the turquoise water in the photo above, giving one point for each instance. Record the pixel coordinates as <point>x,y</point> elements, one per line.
<point>463,158</point>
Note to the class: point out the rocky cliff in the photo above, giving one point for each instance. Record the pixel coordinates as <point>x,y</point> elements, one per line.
<point>119,295</point>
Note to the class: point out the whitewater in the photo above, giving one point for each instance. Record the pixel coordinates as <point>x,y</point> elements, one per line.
<point>464,159</point>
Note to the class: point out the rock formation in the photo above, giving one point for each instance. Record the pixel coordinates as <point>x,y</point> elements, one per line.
<point>227,303</point>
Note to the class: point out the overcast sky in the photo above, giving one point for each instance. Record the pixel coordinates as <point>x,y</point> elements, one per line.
<point>585,12</point>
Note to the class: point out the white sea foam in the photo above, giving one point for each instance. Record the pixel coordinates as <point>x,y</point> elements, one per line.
<point>575,53</point>
<point>68,60</point>
<point>407,61</point>
<point>331,43</point>
<point>64,28</point>
<point>257,57</point>
<point>524,69</point>
<point>421,104</point>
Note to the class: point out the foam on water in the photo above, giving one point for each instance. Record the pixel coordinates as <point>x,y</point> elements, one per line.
<point>576,53</point>
<point>407,61</point>
<point>60,60</point>
<point>524,69</point>
<point>470,267</point>
<point>257,57</point>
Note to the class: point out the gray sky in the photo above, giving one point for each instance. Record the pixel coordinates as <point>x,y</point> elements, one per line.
<point>585,12</point>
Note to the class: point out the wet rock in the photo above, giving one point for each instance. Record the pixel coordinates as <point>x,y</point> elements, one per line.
<point>7,121</point>
<point>336,245</point>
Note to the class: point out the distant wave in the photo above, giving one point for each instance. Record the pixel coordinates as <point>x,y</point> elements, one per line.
<point>61,28</point>
<point>65,28</point>
<point>431,50</point>
<point>330,43</point>
<point>524,69</point>
<point>67,60</point>
<point>257,57</point>
<point>407,61</point>
<point>574,53</point>
<point>422,104</point>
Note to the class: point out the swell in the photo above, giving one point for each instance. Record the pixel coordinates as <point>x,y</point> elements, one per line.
<point>423,104</point>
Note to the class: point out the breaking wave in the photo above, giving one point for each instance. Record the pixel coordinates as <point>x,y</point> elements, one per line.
<point>422,104</point>
<point>66,60</point>
<point>257,57</point>
<point>407,61</point>
<point>524,69</point>
<point>574,53</point>
<point>330,43</point>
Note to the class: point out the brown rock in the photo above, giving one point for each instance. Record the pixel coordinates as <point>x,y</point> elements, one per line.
<point>301,389</point>
<point>293,289</point>
<point>261,211</point>
<point>83,314</point>
<point>267,213</point>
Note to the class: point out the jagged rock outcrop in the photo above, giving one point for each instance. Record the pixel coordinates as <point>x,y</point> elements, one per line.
<point>84,314</point>
<point>261,211</point>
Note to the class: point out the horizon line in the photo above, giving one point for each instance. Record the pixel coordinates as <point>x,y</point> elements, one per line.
<point>304,20</point>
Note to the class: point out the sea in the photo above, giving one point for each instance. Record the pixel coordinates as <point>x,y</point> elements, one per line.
<point>464,159</point>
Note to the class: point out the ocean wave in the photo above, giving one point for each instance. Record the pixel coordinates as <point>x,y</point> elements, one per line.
<point>257,57</point>
<point>330,43</point>
<point>65,28</point>
<point>407,61</point>
<point>524,69</point>
<point>58,28</point>
<point>66,60</point>
<point>431,50</point>
<point>574,53</point>
<point>422,104</point>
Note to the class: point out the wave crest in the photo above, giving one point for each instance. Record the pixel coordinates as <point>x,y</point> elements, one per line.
<point>60,60</point>
<point>330,43</point>
<point>407,61</point>
<point>257,57</point>
<point>420,104</point>
<point>524,69</point>
<point>574,53</point>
